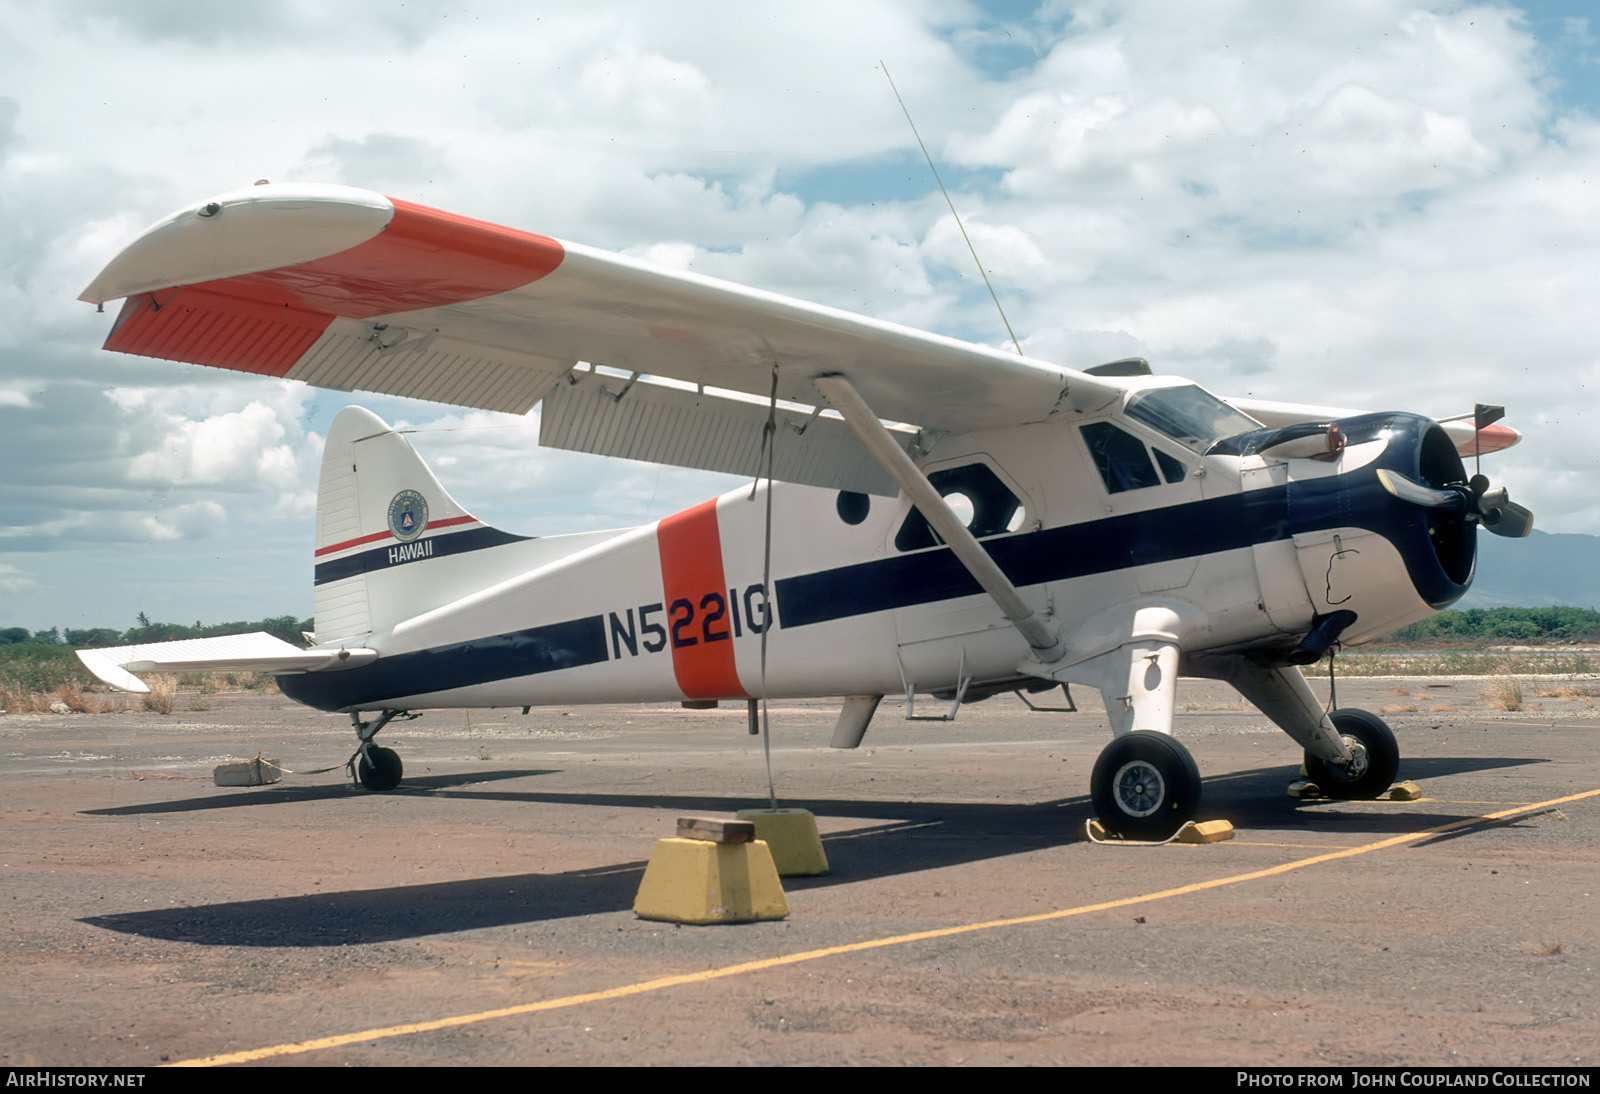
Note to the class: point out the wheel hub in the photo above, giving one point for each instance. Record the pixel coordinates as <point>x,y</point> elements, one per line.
<point>1359,760</point>
<point>1139,788</point>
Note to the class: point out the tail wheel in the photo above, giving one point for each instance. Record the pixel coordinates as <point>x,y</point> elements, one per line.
<point>379,768</point>
<point>1375,758</point>
<point>1145,785</point>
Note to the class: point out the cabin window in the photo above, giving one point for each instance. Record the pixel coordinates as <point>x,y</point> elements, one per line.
<point>976,495</point>
<point>1121,458</point>
<point>852,507</point>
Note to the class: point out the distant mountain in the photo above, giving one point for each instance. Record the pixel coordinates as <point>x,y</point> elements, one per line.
<point>1541,570</point>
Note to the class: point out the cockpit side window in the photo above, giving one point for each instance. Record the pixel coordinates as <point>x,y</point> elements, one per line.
<point>1172,468</point>
<point>974,492</point>
<point>1121,458</point>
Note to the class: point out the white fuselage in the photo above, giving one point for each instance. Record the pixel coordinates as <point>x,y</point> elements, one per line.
<point>677,610</point>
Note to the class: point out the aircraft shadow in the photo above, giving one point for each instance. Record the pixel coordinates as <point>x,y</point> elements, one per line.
<point>911,837</point>
<point>428,785</point>
<point>279,794</point>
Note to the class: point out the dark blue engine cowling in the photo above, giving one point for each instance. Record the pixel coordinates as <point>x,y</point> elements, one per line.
<point>1439,545</point>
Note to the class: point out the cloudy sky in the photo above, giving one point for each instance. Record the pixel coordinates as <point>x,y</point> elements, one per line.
<point>1380,204</point>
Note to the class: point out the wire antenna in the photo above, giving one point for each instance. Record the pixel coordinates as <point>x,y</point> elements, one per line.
<point>981,273</point>
<point>769,441</point>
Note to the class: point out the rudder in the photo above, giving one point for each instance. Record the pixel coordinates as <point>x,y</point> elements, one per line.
<point>380,510</point>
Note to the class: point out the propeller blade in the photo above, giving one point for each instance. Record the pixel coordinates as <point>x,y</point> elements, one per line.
<point>1427,496</point>
<point>1506,518</point>
<point>1498,513</point>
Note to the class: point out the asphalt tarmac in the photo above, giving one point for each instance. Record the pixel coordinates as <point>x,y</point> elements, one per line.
<point>481,914</point>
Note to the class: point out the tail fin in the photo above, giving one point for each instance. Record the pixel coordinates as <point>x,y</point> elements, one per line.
<point>391,542</point>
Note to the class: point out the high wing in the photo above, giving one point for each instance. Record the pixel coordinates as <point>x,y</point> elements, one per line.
<point>347,289</point>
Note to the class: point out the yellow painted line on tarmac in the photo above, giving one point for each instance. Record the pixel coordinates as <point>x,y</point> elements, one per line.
<point>663,982</point>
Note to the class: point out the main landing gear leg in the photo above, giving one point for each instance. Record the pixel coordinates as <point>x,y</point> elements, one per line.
<point>1145,784</point>
<point>372,766</point>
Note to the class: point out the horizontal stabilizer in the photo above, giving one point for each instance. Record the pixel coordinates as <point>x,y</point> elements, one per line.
<point>258,652</point>
<point>682,427</point>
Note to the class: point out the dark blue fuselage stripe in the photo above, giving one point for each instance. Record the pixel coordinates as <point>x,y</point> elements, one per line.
<point>1166,534</point>
<point>1033,558</point>
<point>526,652</point>
<point>398,554</point>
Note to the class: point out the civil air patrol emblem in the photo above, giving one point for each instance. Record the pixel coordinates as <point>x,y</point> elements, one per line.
<point>408,515</point>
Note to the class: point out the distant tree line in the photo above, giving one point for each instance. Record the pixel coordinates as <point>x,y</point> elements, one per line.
<point>286,627</point>
<point>1485,625</point>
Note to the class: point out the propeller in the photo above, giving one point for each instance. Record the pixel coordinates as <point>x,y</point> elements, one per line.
<point>1492,508</point>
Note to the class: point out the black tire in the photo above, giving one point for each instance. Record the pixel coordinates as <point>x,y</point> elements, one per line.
<point>1145,786</point>
<point>1377,758</point>
<point>380,769</point>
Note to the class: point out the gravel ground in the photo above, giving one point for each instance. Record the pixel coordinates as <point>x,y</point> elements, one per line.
<point>151,916</point>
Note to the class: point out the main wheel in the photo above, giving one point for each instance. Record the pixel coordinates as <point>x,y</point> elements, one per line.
<point>380,769</point>
<point>1376,758</point>
<point>1145,785</point>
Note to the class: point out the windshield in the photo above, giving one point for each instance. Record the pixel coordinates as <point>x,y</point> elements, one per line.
<point>1194,418</point>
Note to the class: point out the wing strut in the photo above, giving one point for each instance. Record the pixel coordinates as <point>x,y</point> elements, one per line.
<point>1047,645</point>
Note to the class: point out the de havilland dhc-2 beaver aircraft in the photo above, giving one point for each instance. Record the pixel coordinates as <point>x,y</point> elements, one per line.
<point>929,517</point>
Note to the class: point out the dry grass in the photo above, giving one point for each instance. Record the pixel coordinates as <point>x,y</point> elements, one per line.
<point>34,691</point>
<point>1459,663</point>
<point>1545,949</point>
<point>1571,690</point>
<point>17,701</point>
<point>1505,693</point>
<point>209,683</point>
<point>77,701</point>
<point>163,693</point>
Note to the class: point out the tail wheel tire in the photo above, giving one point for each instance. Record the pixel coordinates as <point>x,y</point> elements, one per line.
<point>1145,786</point>
<point>1375,758</point>
<point>380,769</point>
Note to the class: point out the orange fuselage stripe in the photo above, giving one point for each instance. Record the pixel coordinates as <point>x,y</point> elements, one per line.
<point>699,615</point>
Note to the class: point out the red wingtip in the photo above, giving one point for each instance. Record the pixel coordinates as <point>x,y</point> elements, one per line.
<point>1491,438</point>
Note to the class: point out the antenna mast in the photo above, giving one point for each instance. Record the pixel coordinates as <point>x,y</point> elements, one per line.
<point>952,205</point>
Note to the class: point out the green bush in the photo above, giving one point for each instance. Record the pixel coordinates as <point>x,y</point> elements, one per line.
<point>27,667</point>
